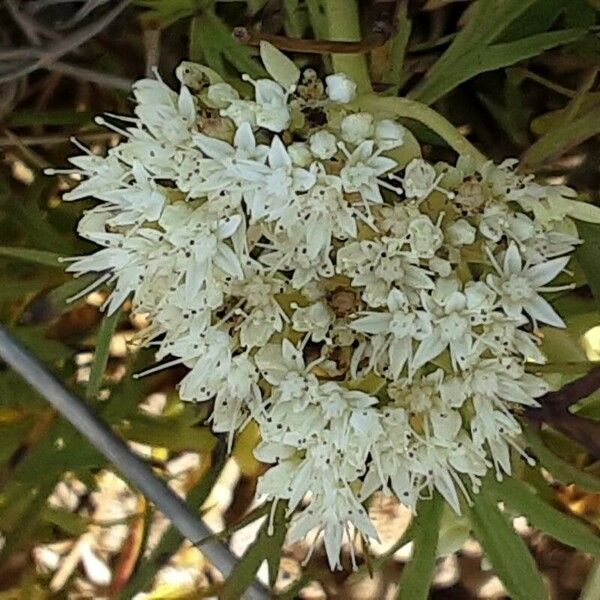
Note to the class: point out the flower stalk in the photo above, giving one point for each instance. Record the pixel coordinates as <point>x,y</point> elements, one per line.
<point>343,24</point>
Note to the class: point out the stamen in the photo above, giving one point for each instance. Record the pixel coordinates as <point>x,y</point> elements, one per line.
<point>104,123</point>
<point>157,368</point>
<point>88,289</point>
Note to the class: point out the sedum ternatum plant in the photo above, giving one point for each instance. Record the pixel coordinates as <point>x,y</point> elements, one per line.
<point>372,312</point>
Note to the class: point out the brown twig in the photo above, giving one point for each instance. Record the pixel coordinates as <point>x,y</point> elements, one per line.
<point>383,28</point>
<point>554,411</point>
<point>368,43</point>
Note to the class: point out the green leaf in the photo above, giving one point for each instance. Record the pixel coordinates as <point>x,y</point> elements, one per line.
<point>18,287</point>
<point>505,550</point>
<point>559,468</point>
<point>508,53</point>
<point>396,68</point>
<point>26,118</point>
<point>105,334</point>
<point>562,137</point>
<point>167,432</point>
<point>279,66</point>
<point>489,58</point>
<point>588,254</point>
<point>167,12</point>
<point>265,547</point>
<point>211,41</point>
<point>38,257</point>
<point>70,522</point>
<point>46,349</point>
<point>418,573</point>
<point>540,16</point>
<point>541,515</point>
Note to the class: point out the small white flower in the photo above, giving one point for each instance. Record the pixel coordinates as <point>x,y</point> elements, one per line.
<point>518,285</point>
<point>420,179</point>
<point>168,116</point>
<point>314,319</point>
<point>300,154</point>
<point>272,111</point>
<point>221,95</point>
<point>461,233</point>
<point>340,88</point>
<point>397,327</point>
<point>357,128</point>
<point>453,313</point>
<point>323,145</point>
<point>425,237</point>
<point>377,265</point>
<point>363,170</point>
<point>389,134</point>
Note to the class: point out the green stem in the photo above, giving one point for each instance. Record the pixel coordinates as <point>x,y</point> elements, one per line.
<point>410,109</point>
<point>343,24</point>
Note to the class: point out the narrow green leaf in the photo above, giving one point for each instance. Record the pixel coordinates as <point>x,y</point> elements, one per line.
<point>540,16</point>
<point>167,432</point>
<point>481,59</point>
<point>563,136</point>
<point>46,349</point>
<point>399,43</point>
<point>38,257</point>
<point>508,53</point>
<point>212,39</point>
<point>26,118</point>
<point>276,544</point>
<point>17,287</point>
<point>559,468</point>
<point>265,547</point>
<point>59,296</point>
<point>70,522</point>
<point>418,573</point>
<point>588,254</point>
<point>31,504</point>
<point>105,334</point>
<point>541,515</point>
<point>505,550</point>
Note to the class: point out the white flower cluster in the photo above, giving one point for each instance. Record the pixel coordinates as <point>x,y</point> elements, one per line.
<point>371,311</point>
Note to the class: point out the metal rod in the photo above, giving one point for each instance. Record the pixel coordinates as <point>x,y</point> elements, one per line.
<point>117,452</point>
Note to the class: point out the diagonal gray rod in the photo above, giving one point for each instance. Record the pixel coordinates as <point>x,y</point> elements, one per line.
<point>118,453</point>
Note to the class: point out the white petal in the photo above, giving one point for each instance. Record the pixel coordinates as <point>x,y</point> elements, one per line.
<point>226,259</point>
<point>542,311</point>
<point>372,323</point>
<point>428,349</point>
<point>546,272</point>
<point>278,156</point>
<point>512,259</point>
